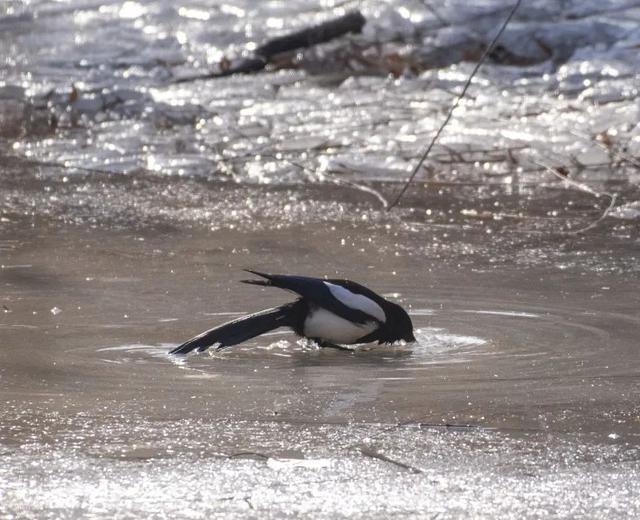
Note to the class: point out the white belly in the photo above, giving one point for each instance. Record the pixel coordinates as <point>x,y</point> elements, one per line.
<point>324,325</point>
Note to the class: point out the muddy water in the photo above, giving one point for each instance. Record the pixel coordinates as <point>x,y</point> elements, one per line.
<point>534,365</point>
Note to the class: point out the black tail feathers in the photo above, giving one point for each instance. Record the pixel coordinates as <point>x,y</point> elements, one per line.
<point>242,329</point>
<point>265,283</point>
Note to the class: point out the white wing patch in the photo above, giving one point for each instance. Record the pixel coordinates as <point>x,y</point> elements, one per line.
<point>357,301</point>
<point>324,325</point>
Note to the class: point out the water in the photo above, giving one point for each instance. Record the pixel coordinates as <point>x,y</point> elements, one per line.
<point>539,361</point>
<point>131,204</point>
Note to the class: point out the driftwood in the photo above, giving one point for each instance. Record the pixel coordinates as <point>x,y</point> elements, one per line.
<point>349,23</point>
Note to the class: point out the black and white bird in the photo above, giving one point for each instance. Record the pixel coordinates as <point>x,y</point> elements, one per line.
<point>330,312</point>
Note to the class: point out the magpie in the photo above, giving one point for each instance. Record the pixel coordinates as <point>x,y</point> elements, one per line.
<point>330,312</point>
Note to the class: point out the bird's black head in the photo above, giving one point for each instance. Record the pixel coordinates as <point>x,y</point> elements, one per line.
<point>399,326</point>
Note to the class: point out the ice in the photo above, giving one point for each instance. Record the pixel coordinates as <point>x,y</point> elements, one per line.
<point>630,211</point>
<point>562,68</point>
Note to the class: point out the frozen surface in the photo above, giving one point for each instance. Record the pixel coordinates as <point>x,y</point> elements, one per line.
<point>561,91</point>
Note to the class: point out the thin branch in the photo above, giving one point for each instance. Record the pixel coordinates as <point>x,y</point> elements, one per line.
<point>436,14</point>
<point>332,180</point>
<point>424,156</point>
<point>620,155</point>
<point>368,452</point>
<point>571,182</point>
<point>605,214</point>
<point>453,427</point>
<point>249,455</point>
<point>613,197</point>
<point>362,188</point>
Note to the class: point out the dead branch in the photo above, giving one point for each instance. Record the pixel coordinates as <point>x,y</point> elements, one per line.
<point>368,452</point>
<point>349,23</point>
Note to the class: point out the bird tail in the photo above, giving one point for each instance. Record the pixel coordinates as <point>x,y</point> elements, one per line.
<point>265,283</point>
<point>242,329</point>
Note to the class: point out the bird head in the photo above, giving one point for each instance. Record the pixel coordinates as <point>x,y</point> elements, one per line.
<point>399,324</point>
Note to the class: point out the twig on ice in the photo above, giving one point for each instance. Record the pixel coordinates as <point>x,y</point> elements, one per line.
<point>583,187</point>
<point>367,452</point>
<point>349,23</point>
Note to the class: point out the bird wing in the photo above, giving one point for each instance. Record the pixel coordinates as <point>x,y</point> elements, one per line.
<point>241,329</point>
<point>328,295</point>
<point>345,293</point>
